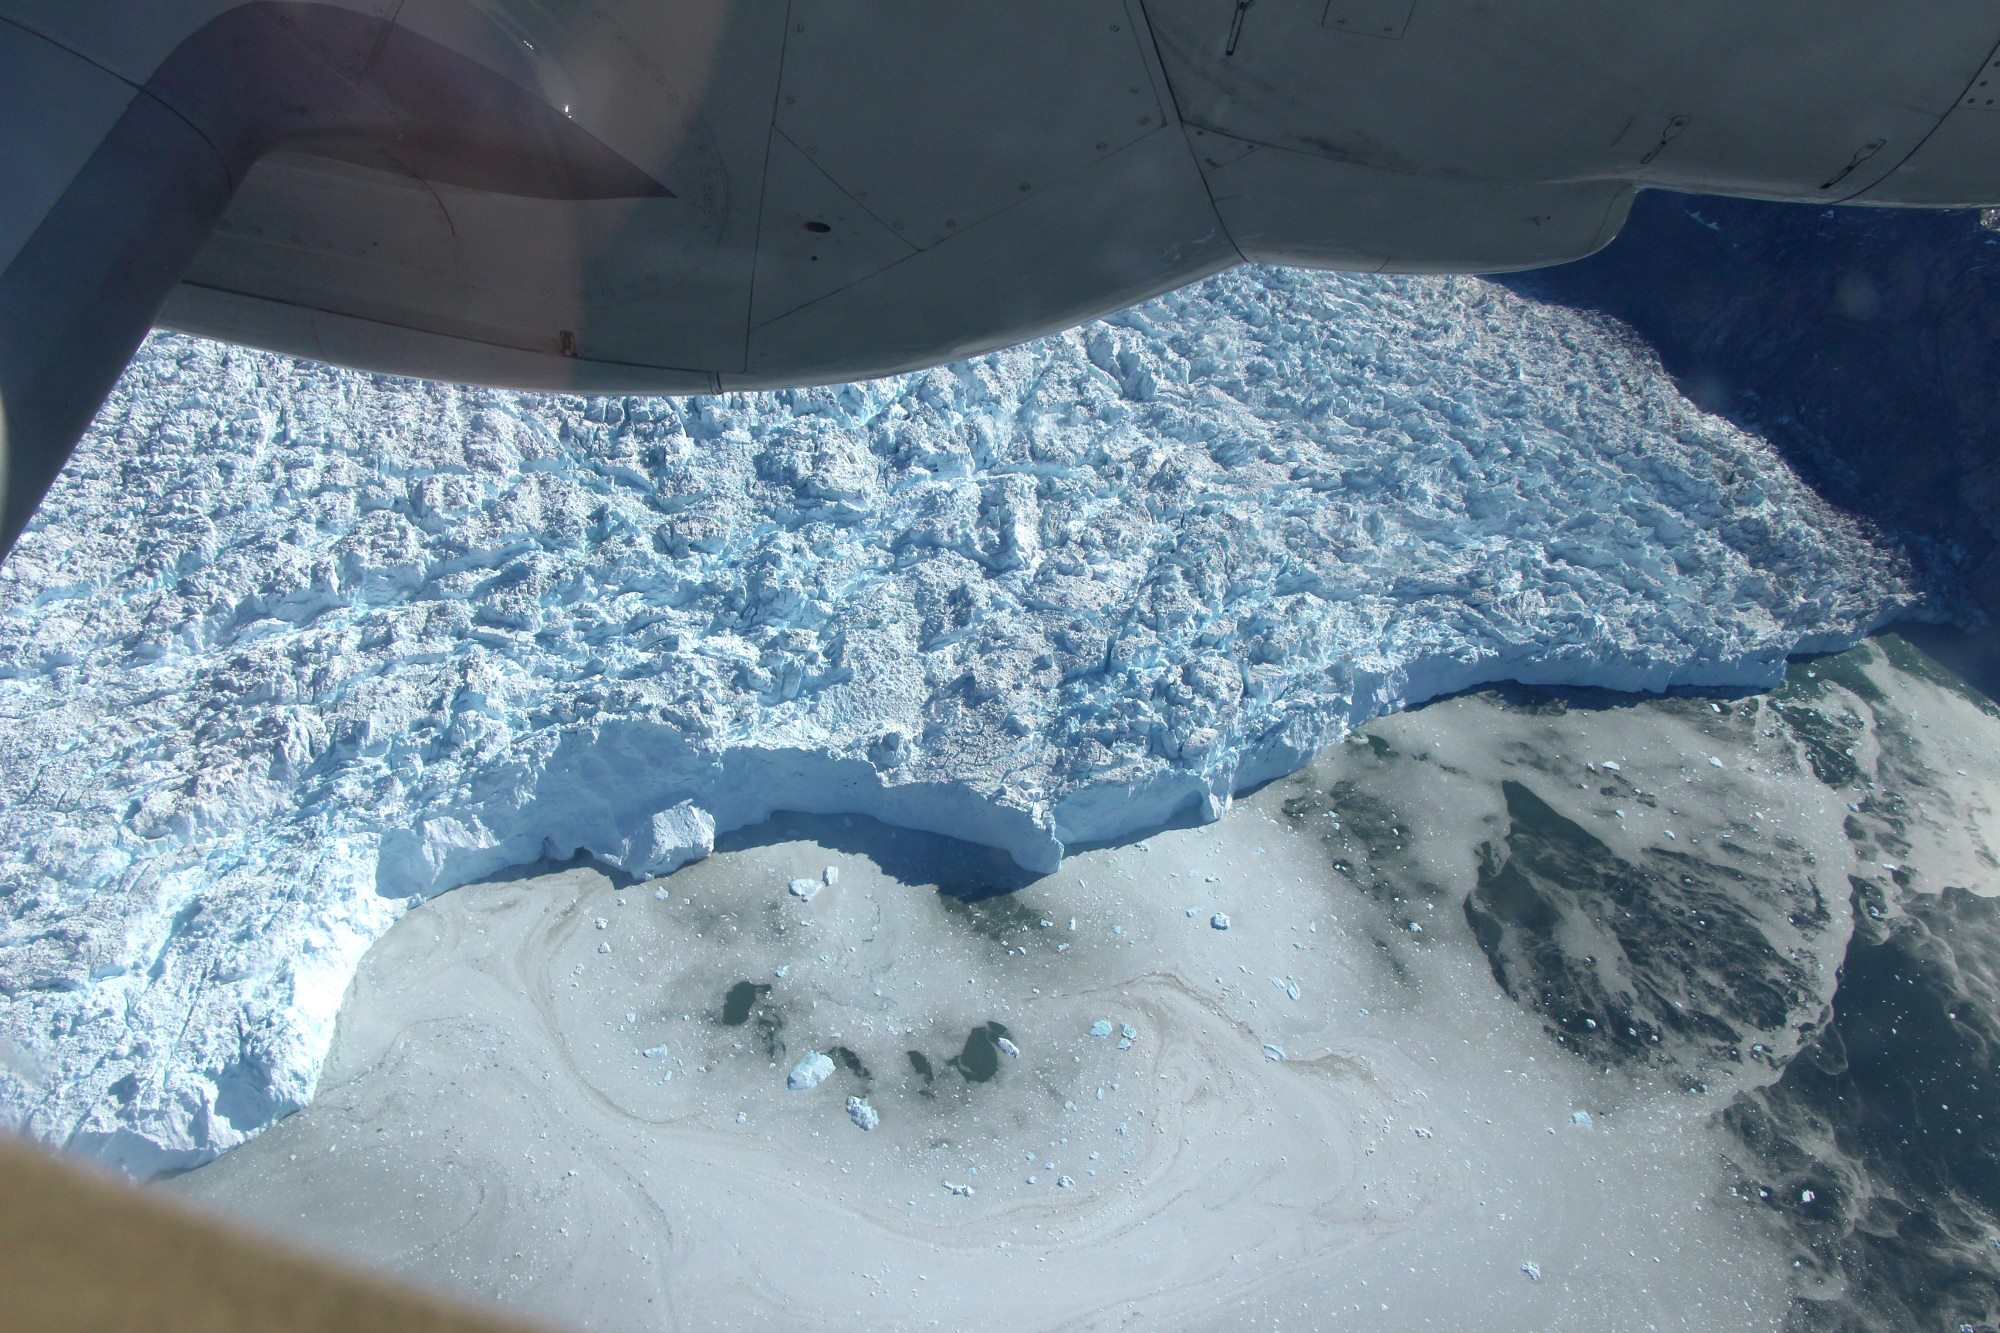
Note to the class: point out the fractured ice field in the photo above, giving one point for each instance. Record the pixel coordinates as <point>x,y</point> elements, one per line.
<point>1524,1017</point>
<point>294,648</point>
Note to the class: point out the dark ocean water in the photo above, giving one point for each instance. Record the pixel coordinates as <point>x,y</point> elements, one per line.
<point>1860,341</point>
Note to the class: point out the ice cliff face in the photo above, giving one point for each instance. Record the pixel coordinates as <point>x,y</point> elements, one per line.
<point>293,646</point>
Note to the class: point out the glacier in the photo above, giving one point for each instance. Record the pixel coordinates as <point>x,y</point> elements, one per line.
<point>291,648</point>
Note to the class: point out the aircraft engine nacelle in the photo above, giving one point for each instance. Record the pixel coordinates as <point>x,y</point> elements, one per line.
<point>635,195</point>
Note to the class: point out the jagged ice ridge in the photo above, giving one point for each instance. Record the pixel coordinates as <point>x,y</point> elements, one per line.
<point>293,647</point>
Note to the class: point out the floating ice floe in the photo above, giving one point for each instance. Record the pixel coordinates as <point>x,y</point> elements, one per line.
<point>1101,1028</point>
<point>862,1114</point>
<point>809,1072</point>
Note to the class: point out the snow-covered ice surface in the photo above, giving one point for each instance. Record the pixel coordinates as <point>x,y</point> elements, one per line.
<point>294,647</point>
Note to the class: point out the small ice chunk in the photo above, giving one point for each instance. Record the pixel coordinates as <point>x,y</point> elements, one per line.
<point>1713,762</point>
<point>1127,1031</point>
<point>1064,1182</point>
<point>1273,1052</point>
<point>1007,1048</point>
<point>603,947</point>
<point>862,1114</point>
<point>1581,1119</point>
<point>742,1117</point>
<point>1220,921</point>
<point>1124,1043</point>
<point>1292,989</point>
<point>655,1052</point>
<point>962,1191</point>
<point>831,875</point>
<point>810,1072</point>
<point>600,923</point>
<point>804,889</point>
<point>1101,1028</point>
<point>1534,1272</point>
<point>1610,764</point>
<point>782,972</point>
<point>662,894</point>
<point>1807,1196</point>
